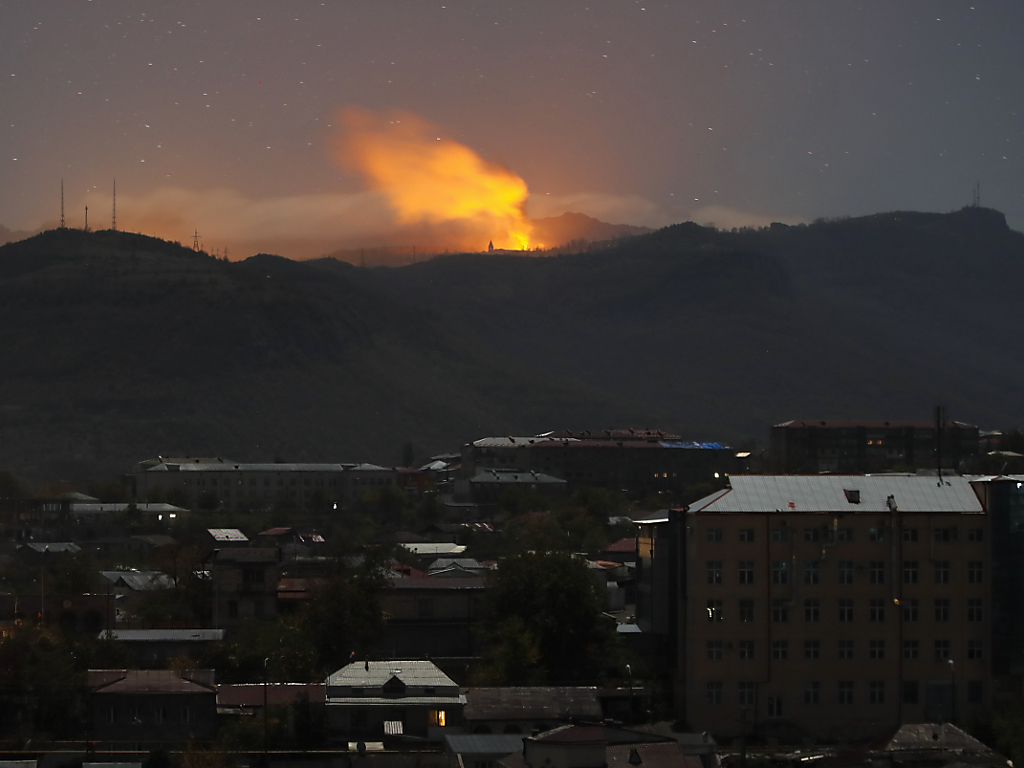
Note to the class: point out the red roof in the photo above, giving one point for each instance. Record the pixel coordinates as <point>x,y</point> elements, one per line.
<point>622,545</point>
<point>143,681</point>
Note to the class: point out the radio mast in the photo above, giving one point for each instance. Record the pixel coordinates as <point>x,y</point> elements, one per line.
<point>113,219</point>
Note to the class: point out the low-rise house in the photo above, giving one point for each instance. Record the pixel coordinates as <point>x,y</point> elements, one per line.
<point>479,750</point>
<point>144,709</point>
<point>371,700</point>
<point>599,746</point>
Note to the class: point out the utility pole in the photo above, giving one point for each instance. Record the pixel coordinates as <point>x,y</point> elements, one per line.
<point>113,218</point>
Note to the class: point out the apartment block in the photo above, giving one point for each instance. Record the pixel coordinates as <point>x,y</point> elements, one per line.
<point>833,607</point>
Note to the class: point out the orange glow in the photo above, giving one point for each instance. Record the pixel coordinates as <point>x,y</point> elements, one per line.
<point>432,181</point>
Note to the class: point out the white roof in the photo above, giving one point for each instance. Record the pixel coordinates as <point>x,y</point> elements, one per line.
<point>433,547</point>
<point>828,494</point>
<point>373,674</point>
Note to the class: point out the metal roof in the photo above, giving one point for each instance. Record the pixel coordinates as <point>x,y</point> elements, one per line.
<point>828,494</point>
<point>227,534</point>
<point>532,703</point>
<point>252,694</point>
<point>220,466</point>
<point>53,546</point>
<point>163,635</point>
<point>145,681</point>
<point>486,744</point>
<point>432,547</point>
<point>139,581</point>
<point>514,477</point>
<point>373,674</point>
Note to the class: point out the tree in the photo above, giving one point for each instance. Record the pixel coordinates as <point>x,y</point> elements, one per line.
<point>550,599</point>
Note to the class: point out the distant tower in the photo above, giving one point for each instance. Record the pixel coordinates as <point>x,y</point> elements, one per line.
<point>113,218</point>
<point>87,218</point>
<point>195,240</point>
<point>490,246</point>
<point>62,204</point>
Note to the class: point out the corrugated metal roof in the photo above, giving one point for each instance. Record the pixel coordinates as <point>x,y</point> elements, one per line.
<point>163,635</point>
<point>532,703</point>
<point>63,547</point>
<point>392,701</point>
<point>218,466</point>
<point>251,694</point>
<point>150,681</point>
<point>429,582</point>
<point>139,581</point>
<point>373,674</point>
<point>432,547</point>
<point>483,744</point>
<point>512,477</point>
<point>828,493</point>
<point>664,755</point>
<point>867,423</point>
<point>227,534</point>
<point>509,442</point>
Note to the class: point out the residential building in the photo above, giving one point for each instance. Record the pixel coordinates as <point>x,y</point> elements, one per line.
<point>243,581</point>
<point>153,648</point>
<point>432,616</point>
<point>146,709</point>
<point>204,483</point>
<point>828,606</point>
<point>531,709</point>
<point>853,446</point>
<point>629,460</point>
<point>371,700</point>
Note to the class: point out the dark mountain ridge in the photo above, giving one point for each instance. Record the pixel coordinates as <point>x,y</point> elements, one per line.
<point>119,347</point>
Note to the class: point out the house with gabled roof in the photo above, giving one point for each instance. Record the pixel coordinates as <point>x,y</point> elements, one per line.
<point>374,700</point>
<point>142,709</point>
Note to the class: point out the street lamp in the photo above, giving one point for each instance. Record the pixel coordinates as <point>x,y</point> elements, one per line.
<point>629,671</point>
<point>952,689</point>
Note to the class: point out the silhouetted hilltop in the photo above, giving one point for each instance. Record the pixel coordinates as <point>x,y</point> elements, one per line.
<point>119,347</point>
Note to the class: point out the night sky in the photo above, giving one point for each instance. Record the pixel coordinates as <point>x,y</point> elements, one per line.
<point>224,116</point>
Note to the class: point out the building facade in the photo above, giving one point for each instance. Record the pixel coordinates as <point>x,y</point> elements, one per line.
<point>834,607</point>
<point>204,483</point>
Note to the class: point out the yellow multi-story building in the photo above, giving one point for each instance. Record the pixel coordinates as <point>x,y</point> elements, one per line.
<point>828,606</point>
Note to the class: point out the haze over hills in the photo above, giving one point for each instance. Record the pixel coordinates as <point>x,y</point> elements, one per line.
<point>120,347</point>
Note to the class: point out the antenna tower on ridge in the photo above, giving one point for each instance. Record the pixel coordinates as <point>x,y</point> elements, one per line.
<point>87,218</point>
<point>62,204</point>
<point>195,240</point>
<point>113,219</point>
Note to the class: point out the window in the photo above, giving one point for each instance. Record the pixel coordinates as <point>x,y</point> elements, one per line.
<point>976,534</point>
<point>812,534</point>
<point>812,611</point>
<point>714,569</point>
<point>910,535</point>
<point>910,571</point>
<point>943,650</point>
<point>846,691</point>
<point>942,609</point>
<point>974,691</point>
<point>746,535</point>
<point>846,650</point>
<point>746,571</point>
<point>974,609</point>
<point>876,650</point>
<point>437,717</point>
<point>910,691</point>
<point>746,650</point>
<point>945,534</point>
<point>876,534</point>
<point>876,692</point>
<point>714,535</point>
<point>942,571</point>
<point>746,611</point>
<point>876,610</point>
<point>845,611</point>
<point>774,706</point>
<point>910,609</point>
<point>974,572</point>
<point>780,533</point>
<point>780,572</point>
<point>911,649</point>
<point>780,650</point>
<point>714,610</point>
<point>747,694</point>
<point>846,571</point>
<point>780,611</point>
<point>974,650</point>
<point>715,650</point>
<point>844,535</point>
<point>812,650</point>
<point>876,572</point>
<point>812,693</point>
<point>812,572</point>
<point>715,692</point>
